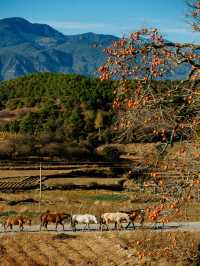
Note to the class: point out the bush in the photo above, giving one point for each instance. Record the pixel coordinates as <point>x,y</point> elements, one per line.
<point>110,154</point>
<point>6,149</point>
<point>77,153</point>
<point>23,149</point>
<point>51,150</point>
<point>12,104</point>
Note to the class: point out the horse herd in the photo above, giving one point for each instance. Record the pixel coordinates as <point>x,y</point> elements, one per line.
<point>116,218</point>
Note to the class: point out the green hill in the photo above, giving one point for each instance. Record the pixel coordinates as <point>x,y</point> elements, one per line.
<point>48,103</point>
<point>50,111</point>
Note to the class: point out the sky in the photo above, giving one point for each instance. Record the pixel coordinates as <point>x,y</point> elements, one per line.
<point>116,17</point>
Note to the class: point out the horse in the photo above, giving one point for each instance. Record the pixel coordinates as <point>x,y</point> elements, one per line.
<point>86,219</point>
<point>17,220</point>
<point>57,218</point>
<point>116,217</point>
<point>133,214</point>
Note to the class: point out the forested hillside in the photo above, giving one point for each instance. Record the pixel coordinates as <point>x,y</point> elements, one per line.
<point>56,108</point>
<point>44,102</point>
<point>47,111</point>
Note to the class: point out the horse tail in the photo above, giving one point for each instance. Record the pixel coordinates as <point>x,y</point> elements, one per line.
<point>71,220</point>
<point>4,224</point>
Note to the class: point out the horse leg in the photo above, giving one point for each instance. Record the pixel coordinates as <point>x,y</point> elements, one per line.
<point>73,224</point>
<point>115,227</point>
<point>73,227</point>
<point>45,225</point>
<point>41,224</point>
<point>142,221</point>
<point>21,228</point>
<point>20,223</point>
<point>62,225</point>
<point>100,226</point>
<point>5,226</point>
<point>155,225</point>
<point>107,227</point>
<point>56,226</point>
<point>88,226</point>
<point>128,225</point>
<point>133,225</point>
<point>118,225</point>
<point>85,227</point>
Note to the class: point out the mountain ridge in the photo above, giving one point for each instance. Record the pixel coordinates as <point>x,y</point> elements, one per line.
<point>27,47</point>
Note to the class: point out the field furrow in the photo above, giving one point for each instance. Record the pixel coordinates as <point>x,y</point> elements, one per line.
<point>36,251</point>
<point>61,254</point>
<point>24,257</point>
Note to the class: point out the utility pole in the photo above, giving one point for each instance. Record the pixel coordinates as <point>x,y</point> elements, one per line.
<point>40,186</point>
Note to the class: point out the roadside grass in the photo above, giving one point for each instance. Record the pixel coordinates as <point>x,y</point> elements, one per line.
<point>95,249</point>
<point>82,180</point>
<point>108,197</point>
<point>90,201</point>
<point>8,213</point>
<point>78,170</point>
<point>31,214</point>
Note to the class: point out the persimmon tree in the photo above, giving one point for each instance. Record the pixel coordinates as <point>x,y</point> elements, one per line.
<point>194,15</point>
<point>166,111</point>
<point>149,99</point>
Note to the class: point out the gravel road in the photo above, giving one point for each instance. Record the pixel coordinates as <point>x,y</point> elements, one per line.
<point>173,226</point>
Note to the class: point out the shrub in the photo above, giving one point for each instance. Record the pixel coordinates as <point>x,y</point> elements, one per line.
<point>51,149</point>
<point>110,154</point>
<point>77,153</point>
<point>23,149</point>
<point>6,149</point>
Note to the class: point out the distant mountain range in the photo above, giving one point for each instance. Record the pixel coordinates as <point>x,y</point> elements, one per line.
<point>31,47</point>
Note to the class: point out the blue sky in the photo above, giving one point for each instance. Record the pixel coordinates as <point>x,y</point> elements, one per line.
<point>115,17</point>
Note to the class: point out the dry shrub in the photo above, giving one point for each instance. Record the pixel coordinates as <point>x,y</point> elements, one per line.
<point>6,149</point>
<point>109,153</point>
<point>51,149</point>
<point>77,152</point>
<point>168,248</point>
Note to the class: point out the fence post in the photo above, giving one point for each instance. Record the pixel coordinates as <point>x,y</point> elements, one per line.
<point>40,186</point>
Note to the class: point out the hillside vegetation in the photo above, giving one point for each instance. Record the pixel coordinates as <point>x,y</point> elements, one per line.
<point>51,114</point>
<point>48,109</point>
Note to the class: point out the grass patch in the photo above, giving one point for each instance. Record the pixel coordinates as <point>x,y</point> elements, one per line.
<point>25,213</point>
<point>106,197</point>
<point>8,213</point>
<point>31,213</point>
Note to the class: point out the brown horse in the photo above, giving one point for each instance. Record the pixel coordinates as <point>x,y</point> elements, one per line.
<point>17,220</point>
<point>57,218</point>
<point>133,214</point>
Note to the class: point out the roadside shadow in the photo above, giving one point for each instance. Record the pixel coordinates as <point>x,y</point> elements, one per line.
<point>63,236</point>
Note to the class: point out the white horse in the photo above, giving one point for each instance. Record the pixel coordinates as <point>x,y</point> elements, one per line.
<point>86,219</point>
<point>114,217</point>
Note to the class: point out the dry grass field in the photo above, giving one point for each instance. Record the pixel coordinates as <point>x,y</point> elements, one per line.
<point>140,247</point>
<point>87,201</point>
<point>99,249</point>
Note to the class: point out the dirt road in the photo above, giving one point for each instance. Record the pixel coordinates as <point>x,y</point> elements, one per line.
<point>173,226</point>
